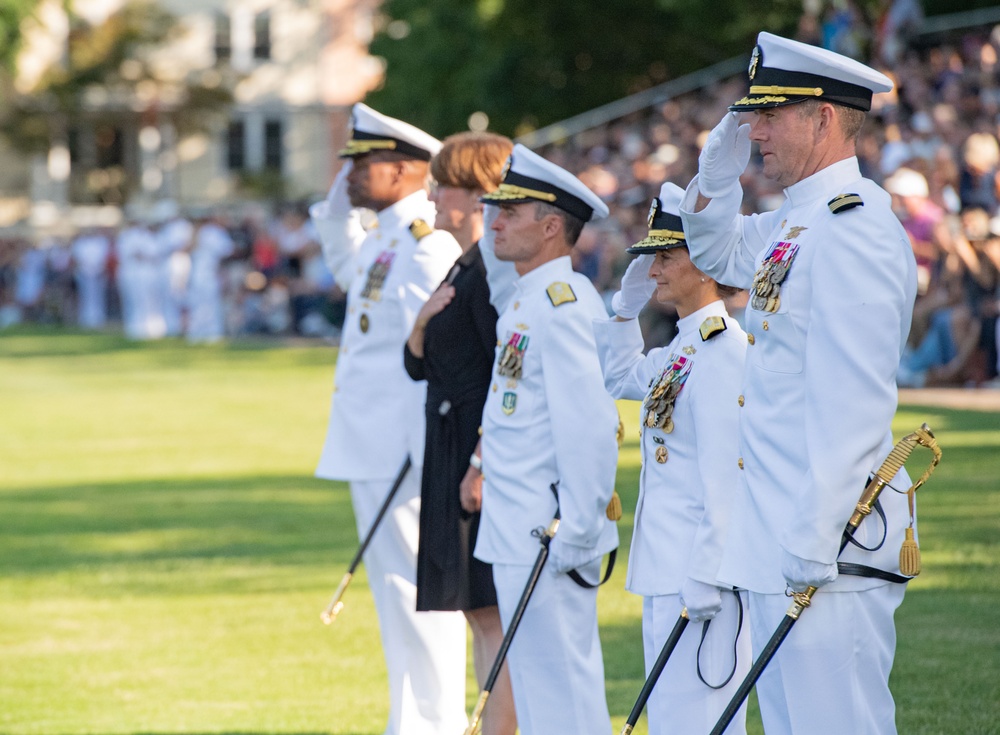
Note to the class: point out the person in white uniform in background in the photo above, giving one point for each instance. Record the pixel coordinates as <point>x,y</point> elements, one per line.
<point>91,251</point>
<point>690,443</point>
<point>548,420</point>
<point>138,281</point>
<point>173,236</point>
<point>210,245</point>
<point>833,280</point>
<point>377,416</point>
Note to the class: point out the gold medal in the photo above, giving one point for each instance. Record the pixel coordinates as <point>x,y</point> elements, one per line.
<point>668,426</point>
<point>661,454</point>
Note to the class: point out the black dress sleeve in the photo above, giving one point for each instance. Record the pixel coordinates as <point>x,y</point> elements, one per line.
<point>414,365</point>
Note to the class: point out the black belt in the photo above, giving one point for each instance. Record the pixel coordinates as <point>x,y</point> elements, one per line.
<point>860,570</point>
<point>575,575</point>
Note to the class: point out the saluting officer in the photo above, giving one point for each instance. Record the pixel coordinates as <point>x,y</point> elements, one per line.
<point>690,442</point>
<point>832,280</point>
<point>377,417</point>
<point>547,420</point>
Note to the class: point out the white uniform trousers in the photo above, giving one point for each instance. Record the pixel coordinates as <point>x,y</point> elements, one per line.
<point>555,662</point>
<point>424,651</point>
<point>680,702</point>
<point>831,675</point>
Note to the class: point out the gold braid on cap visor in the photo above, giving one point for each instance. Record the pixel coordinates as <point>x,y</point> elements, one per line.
<point>667,234</point>
<point>507,192</point>
<point>774,93</point>
<point>355,147</point>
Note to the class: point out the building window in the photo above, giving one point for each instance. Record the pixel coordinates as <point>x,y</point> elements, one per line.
<point>236,146</point>
<point>273,145</point>
<point>223,37</point>
<point>262,35</point>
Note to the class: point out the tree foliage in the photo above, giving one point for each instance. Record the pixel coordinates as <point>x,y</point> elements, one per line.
<point>12,13</point>
<point>109,75</point>
<point>527,63</point>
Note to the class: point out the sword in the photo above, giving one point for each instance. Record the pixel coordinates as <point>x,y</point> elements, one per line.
<point>544,539</point>
<point>654,674</point>
<point>335,606</point>
<point>801,600</point>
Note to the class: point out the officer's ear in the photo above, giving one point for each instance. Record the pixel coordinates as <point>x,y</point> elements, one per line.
<point>553,226</point>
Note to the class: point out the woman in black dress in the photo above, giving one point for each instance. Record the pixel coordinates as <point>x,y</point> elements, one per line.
<point>452,348</point>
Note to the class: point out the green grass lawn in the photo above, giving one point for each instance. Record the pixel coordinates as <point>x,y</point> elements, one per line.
<point>165,552</point>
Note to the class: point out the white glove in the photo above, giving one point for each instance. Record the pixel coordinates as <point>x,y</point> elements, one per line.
<point>637,287</point>
<point>724,157</point>
<point>566,557</point>
<point>703,601</point>
<point>338,204</point>
<point>800,573</point>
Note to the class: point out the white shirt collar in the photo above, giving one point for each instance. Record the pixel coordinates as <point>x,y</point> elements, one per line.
<point>827,182</point>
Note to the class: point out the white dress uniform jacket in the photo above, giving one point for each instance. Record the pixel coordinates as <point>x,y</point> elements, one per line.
<point>689,476</point>
<point>819,384</point>
<point>553,423</point>
<point>377,417</point>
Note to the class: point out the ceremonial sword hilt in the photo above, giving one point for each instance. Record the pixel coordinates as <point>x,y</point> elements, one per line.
<point>335,606</point>
<point>893,463</point>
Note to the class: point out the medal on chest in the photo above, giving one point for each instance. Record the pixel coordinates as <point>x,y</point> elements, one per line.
<point>766,292</point>
<point>377,274</point>
<point>510,364</point>
<point>663,392</point>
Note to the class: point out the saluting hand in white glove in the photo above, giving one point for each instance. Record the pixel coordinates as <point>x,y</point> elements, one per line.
<point>800,573</point>
<point>724,157</point>
<point>637,288</point>
<point>703,601</point>
<point>337,201</point>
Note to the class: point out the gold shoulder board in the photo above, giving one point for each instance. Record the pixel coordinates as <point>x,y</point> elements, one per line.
<point>844,202</point>
<point>420,229</point>
<point>560,293</point>
<point>711,327</point>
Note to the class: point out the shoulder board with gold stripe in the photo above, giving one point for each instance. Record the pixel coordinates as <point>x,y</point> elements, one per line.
<point>420,229</point>
<point>711,327</point>
<point>844,202</point>
<point>560,293</point>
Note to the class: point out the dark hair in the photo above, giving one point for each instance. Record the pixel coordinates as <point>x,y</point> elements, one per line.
<point>572,225</point>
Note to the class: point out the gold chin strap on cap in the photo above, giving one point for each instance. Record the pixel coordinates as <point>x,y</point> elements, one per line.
<point>511,191</point>
<point>794,91</point>
<point>356,147</point>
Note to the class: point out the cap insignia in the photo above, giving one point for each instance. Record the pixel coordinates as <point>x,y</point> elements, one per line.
<point>844,202</point>
<point>560,293</point>
<point>654,207</point>
<point>754,61</point>
<point>711,327</point>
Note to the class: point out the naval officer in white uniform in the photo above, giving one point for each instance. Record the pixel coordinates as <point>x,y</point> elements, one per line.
<point>690,442</point>
<point>377,417</point>
<point>832,280</point>
<point>547,420</point>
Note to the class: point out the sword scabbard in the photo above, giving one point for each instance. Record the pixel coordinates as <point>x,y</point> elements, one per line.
<point>335,606</point>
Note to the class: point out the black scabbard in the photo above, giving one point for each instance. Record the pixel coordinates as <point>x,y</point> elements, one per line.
<point>654,674</point>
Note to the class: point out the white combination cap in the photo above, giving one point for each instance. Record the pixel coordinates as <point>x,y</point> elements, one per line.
<point>373,131</point>
<point>527,177</point>
<point>783,72</point>
<point>665,228</point>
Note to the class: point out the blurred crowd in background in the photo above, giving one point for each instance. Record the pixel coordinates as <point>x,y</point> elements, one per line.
<point>932,143</point>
